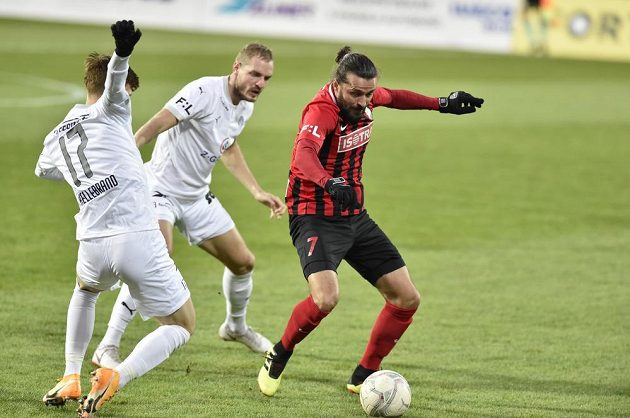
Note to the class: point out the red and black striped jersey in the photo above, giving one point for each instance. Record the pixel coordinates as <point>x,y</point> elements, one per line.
<point>328,146</point>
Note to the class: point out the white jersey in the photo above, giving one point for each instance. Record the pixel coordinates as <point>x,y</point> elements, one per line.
<point>184,156</point>
<point>94,150</point>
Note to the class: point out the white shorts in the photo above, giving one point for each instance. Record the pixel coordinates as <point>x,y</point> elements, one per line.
<point>198,220</point>
<point>139,259</point>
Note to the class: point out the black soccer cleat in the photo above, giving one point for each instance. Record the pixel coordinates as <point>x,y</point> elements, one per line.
<point>358,377</point>
<point>270,373</point>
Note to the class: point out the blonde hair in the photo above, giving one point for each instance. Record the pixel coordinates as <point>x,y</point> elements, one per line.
<point>253,50</point>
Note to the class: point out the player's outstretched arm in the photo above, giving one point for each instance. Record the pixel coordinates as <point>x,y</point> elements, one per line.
<point>160,122</point>
<point>126,37</point>
<point>234,161</point>
<point>460,103</point>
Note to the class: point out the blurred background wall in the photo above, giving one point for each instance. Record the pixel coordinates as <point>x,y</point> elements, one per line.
<point>585,29</point>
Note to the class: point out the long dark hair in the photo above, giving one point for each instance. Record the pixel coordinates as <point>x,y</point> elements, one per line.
<point>353,62</point>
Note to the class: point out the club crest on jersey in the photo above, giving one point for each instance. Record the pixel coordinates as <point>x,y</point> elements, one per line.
<point>227,143</point>
<point>355,139</point>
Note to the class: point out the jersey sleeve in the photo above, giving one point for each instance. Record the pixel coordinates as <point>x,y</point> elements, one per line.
<point>190,101</point>
<point>116,80</point>
<point>46,169</point>
<point>403,99</point>
<point>317,123</point>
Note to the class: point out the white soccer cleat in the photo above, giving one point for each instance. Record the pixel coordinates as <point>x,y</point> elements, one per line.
<point>250,338</point>
<point>106,356</point>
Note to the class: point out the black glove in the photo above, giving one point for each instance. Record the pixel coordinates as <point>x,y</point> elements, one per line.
<point>342,194</point>
<point>459,103</point>
<point>126,37</point>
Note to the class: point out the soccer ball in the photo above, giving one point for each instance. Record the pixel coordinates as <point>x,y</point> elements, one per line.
<point>385,394</point>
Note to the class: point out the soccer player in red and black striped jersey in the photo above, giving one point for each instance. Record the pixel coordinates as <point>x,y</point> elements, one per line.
<point>328,222</point>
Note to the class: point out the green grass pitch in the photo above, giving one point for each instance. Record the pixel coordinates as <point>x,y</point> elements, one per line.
<point>514,222</point>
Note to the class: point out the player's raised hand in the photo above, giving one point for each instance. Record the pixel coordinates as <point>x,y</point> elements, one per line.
<point>342,194</point>
<point>126,37</point>
<point>460,103</point>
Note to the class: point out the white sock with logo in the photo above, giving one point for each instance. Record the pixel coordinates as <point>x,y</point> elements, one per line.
<point>151,351</point>
<point>236,290</point>
<point>79,327</point>
<point>123,312</point>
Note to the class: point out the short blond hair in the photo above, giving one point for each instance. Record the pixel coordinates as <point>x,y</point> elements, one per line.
<point>253,50</point>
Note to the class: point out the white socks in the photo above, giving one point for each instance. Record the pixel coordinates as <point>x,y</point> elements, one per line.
<point>124,310</point>
<point>151,351</point>
<point>79,327</point>
<point>236,290</point>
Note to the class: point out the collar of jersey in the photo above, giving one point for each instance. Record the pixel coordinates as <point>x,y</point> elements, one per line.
<point>332,95</point>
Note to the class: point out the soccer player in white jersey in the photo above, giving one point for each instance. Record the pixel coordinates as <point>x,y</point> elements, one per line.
<point>196,128</point>
<point>93,149</point>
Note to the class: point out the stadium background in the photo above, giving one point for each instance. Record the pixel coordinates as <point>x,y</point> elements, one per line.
<point>514,221</point>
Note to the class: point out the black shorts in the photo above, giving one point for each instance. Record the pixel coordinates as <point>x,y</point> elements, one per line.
<point>323,241</point>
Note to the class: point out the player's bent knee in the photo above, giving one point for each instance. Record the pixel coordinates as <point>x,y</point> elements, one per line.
<point>409,300</point>
<point>185,317</point>
<point>244,266</point>
<point>85,287</point>
<point>249,263</point>
<point>327,307</point>
<point>189,322</point>
<point>414,300</point>
<point>326,303</point>
<point>190,327</point>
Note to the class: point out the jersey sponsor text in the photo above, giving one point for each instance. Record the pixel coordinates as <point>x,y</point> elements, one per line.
<point>311,129</point>
<point>69,124</point>
<point>185,104</point>
<point>355,138</point>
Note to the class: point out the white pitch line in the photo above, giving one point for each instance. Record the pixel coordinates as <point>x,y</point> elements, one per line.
<point>69,92</point>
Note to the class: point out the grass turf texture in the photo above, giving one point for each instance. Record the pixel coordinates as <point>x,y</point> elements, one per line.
<point>514,222</point>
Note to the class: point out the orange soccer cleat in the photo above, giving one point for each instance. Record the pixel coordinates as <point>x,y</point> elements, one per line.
<point>67,388</point>
<point>104,386</point>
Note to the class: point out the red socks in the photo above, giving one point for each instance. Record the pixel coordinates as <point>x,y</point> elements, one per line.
<point>305,318</point>
<point>390,325</point>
